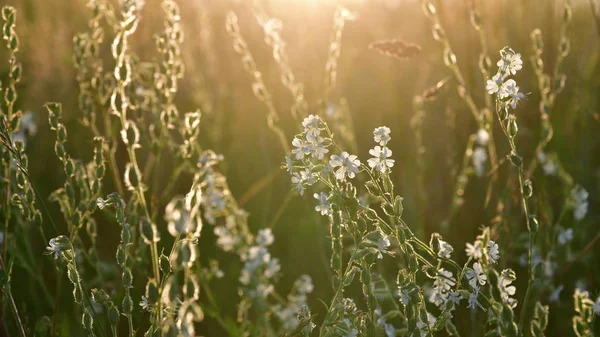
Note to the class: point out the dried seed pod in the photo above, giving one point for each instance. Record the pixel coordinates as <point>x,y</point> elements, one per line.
<point>396,48</point>
<point>433,92</point>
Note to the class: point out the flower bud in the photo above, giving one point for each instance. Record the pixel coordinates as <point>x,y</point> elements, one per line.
<point>512,128</point>
<point>527,189</point>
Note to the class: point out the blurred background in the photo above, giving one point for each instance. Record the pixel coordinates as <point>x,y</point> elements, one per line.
<point>378,90</point>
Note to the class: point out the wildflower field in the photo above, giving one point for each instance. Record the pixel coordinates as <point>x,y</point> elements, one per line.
<point>266,168</point>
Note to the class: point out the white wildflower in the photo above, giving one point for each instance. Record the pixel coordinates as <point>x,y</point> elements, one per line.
<point>479,159</point>
<point>53,248</point>
<point>476,275</point>
<point>273,267</point>
<point>555,295</point>
<point>548,164</point>
<point>473,303</point>
<point>311,125</point>
<point>289,164</point>
<point>318,147</point>
<point>144,303</point>
<point>494,84</point>
<point>324,207</point>
<point>308,176</point>
<point>304,284</point>
<point>596,307</point>
<point>225,239</point>
<point>565,236</point>
<point>297,181</point>
<point>382,135</point>
<point>506,290</point>
<point>482,137</point>
<point>493,252</point>
<point>382,245</point>
<point>28,124</point>
<point>580,203</point>
<point>510,90</point>
<point>346,163</point>
<point>510,62</point>
<point>380,161</point>
<point>444,280</point>
<point>454,297</point>
<point>302,148</point>
<point>265,237</point>
<point>475,250</point>
<point>445,250</point>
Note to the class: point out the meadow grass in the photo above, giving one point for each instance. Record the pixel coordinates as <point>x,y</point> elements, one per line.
<point>258,198</point>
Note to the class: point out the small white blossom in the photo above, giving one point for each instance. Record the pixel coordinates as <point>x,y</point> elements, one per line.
<point>289,164</point>
<point>444,280</point>
<point>548,164</point>
<point>445,250</point>
<point>28,124</point>
<point>307,175</point>
<point>476,275</point>
<point>565,236</point>
<point>382,245</point>
<point>346,163</point>
<point>555,295</point>
<point>580,196</point>
<point>304,284</point>
<point>324,207</point>
<point>494,84</point>
<point>273,267</point>
<point>596,307</point>
<point>482,137</point>
<point>144,303</point>
<point>311,125</point>
<point>454,297</point>
<point>474,250</point>
<point>382,135</point>
<point>510,62</point>
<point>380,161</point>
<point>53,248</point>
<point>318,147</point>
<point>510,90</point>
<point>506,290</point>
<point>302,148</point>
<point>473,303</point>
<point>493,252</point>
<point>479,159</point>
<point>265,237</point>
<point>297,181</point>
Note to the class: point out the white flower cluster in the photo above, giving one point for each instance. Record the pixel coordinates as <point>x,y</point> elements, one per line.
<point>228,236</point>
<point>310,145</point>
<point>442,291</point>
<point>548,163</point>
<point>479,156</point>
<point>344,165</point>
<point>288,315</point>
<point>579,198</point>
<point>381,154</point>
<point>506,89</point>
<point>476,250</point>
<point>259,267</point>
<point>477,277</point>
